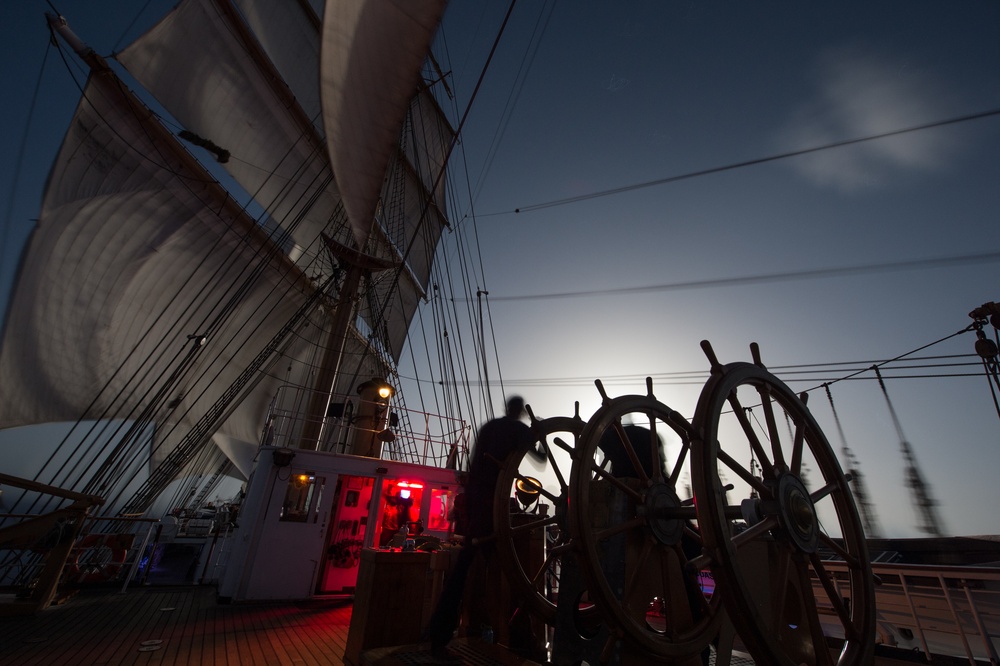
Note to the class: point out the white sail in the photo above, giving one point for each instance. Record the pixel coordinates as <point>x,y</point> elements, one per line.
<point>234,94</point>
<point>370,61</point>
<point>137,249</point>
<point>148,296</point>
<point>208,71</point>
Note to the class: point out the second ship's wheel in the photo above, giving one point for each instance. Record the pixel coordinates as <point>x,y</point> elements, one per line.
<point>760,444</point>
<point>530,515</point>
<point>633,520</point>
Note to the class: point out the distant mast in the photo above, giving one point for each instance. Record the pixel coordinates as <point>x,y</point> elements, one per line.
<point>928,521</point>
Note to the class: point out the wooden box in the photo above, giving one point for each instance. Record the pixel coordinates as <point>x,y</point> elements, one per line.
<point>396,592</point>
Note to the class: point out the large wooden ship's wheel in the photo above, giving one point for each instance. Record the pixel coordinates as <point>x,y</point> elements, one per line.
<point>758,442</point>
<point>633,521</point>
<point>532,542</point>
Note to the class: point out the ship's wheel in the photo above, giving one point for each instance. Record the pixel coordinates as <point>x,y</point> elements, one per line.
<point>634,525</point>
<point>794,501</point>
<point>530,515</point>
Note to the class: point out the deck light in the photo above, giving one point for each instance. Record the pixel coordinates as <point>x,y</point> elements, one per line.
<point>526,490</point>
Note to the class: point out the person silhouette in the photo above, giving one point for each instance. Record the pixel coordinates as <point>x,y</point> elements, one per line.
<point>496,440</point>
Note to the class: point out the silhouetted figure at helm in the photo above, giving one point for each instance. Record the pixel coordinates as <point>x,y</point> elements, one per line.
<point>496,440</point>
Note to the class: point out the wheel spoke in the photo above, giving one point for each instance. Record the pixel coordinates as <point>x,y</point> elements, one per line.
<point>675,473</point>
<point>780,586</point>
<point>680,615</point>
<point>619,528</point>
<point>798,445</point>
<point>539,576</point>
<point>654,450</point>
<point>824,491</point>
<point>534,525</point>
<point>563,487</point>
<point>764,390</point>
<point>751,533</point>
<point>743,473</point>
<point>558,441</point>
<point>633,581</point>
<point>601,473</point>
<point>809,610</point>
<point>534,485</point>
<point>626,444</point>
<point>833,596</point>
<point>751,434</point>
<point>851,560</point>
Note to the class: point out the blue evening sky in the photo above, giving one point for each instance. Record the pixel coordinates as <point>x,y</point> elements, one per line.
<point>586,97</point>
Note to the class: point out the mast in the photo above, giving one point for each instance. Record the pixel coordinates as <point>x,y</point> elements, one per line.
<point>357,265</point>
<point>928,520</point>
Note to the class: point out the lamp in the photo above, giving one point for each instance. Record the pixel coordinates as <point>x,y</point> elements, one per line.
<point>282,457</point>
<point>527,489</point>
<point>382,389</point>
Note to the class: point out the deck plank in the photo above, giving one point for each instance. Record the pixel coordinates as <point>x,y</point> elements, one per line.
<point>107,627</point>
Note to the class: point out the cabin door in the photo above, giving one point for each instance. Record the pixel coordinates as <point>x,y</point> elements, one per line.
<point>286,560</point>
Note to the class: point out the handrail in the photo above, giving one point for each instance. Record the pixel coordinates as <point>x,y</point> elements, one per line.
<point>35,486</point>
<point>63,526</point>
<point>912,589</point>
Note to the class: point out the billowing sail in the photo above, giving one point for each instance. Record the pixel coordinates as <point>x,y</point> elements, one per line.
<point>253,90</point>
<point>144,285</point>
<point>147,295</point>
<point>371,57</point>
<point>206,69</point>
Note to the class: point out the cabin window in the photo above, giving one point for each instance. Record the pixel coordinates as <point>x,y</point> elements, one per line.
<point>302,497</point>
<point>442,502</point>
<point>400,508</point>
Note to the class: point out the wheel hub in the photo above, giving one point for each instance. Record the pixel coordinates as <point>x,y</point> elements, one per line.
<point>659,505</point>
<point>798,514</point>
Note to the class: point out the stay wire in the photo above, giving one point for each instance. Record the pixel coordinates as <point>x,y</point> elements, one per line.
<point>747,163</point>
<point>19,160</point>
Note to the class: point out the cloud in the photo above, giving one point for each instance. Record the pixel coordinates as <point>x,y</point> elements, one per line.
<point>862,93</point>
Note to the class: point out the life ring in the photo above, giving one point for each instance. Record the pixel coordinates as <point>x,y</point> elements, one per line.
<point>107,555</point>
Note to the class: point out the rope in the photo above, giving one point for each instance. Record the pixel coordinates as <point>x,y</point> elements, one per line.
<point>888,401</point>
<point>987,350</point>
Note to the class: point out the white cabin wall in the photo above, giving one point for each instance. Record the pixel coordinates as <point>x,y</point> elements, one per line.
<point>275,559</point>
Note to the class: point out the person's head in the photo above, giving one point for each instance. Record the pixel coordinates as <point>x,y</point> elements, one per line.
<point>515,406</point>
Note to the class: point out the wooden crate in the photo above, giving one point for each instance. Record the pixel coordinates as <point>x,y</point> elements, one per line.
<point>396,592</point>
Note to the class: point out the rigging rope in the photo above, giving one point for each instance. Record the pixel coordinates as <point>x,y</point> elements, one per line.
<point>760,160</point>
<point>987,350</point>
<point>868,517</point>
<point>929,521</point>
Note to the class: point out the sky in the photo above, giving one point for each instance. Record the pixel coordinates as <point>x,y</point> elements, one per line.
<point>850,255</point>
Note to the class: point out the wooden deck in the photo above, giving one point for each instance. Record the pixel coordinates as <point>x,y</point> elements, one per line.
<point>185,625</point>
<point>176,625</point>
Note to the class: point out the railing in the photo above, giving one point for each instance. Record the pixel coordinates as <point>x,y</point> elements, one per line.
<point>406,435</point>
<point>43,541</point>
<point>936,609</point>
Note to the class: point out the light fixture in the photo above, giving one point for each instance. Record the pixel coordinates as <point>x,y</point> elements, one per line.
<point>527,490</point>
<point>282,457</point>
<point>380,387</point>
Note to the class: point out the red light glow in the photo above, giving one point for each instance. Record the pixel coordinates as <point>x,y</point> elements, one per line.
<point>409,484</point>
